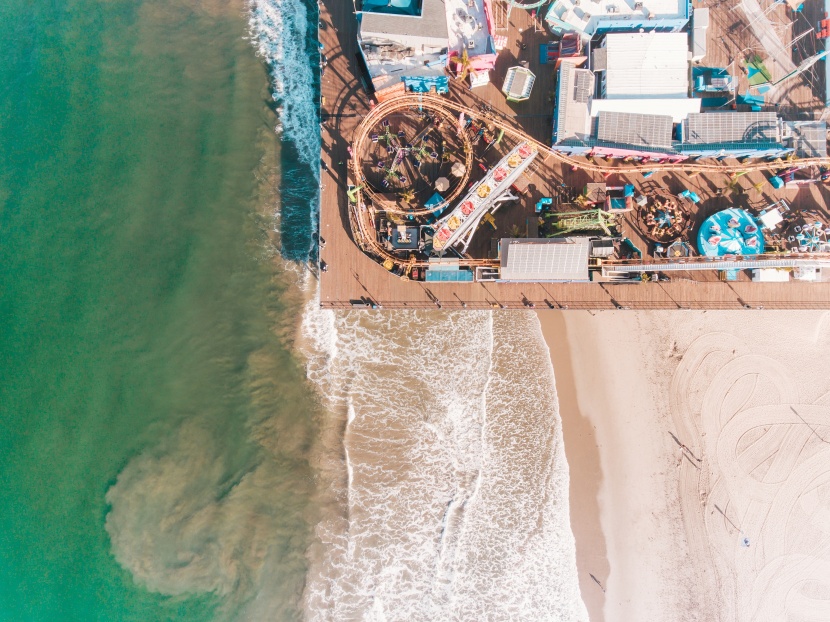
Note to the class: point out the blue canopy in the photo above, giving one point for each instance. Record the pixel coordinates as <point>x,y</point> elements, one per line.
<point>730,232</point>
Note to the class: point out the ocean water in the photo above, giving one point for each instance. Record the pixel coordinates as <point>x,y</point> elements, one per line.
<point>284,33</point>
<point>154,424</point>
<point>166,450</point>
<point>449,496</point>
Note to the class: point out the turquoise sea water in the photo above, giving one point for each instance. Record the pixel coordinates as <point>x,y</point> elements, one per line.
<point>154,429</point>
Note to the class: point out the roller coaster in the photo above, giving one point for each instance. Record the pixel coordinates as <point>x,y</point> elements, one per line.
<point>362,196</point>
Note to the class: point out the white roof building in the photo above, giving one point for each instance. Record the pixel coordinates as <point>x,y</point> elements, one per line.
<point>643,65</point>
<point>548,259</point>
<point>467,24</point>
<point>677,109</point>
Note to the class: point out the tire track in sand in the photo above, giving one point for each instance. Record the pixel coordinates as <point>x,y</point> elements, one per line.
<point>765,478</point>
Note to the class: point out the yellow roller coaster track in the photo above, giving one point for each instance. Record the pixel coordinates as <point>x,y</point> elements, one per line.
<point>361,217</point>
<point>370,122</point>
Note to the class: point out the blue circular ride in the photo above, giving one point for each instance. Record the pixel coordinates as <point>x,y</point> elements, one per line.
<point>730,232</point>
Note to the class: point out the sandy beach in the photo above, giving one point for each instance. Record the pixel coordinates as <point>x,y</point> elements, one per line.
<point>699,462</point>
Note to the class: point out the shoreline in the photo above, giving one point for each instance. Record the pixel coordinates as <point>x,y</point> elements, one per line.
<point>697,518</point>
<point>626,513</point>
<point>584,468</point>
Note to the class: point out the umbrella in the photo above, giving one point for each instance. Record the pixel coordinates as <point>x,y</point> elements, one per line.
<point>458,169</point>
<point>441,184</point>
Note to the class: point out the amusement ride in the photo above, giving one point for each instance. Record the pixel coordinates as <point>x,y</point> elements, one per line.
<point>407,158</point>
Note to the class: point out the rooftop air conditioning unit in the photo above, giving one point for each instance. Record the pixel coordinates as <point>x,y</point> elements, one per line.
<point>612,9</point>
<point>471,43</point>
<point>587,17</point>
<point>638,5</point>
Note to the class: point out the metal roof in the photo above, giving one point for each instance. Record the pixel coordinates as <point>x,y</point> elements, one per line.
<point>648,130</point>
<point>554,259</point>
<point>431,24</point>
<point>677,108</point>
<point>518,82</point>
<point>731,127</point>
<point>809,138</point>
<point>745,264</point>
<point>700,24</point>
<point>651,64</point>
<point>574,90</point>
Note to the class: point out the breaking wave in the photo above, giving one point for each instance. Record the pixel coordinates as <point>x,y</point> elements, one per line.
<point>284,33</point>
<point>451,498</point>
<point>284,37</point>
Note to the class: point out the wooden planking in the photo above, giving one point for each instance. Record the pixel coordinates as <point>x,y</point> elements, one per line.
<point>351,275</point>
<point>730,39</point>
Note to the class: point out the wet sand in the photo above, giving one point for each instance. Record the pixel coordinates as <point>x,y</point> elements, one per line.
<point>625,509</point>
<point>454,500</point>
<point>582,454</point>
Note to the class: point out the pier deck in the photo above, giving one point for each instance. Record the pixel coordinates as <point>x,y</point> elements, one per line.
<point>351,275</point>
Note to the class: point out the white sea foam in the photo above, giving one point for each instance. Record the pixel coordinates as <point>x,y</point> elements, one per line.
<point>449,482</point>
<point>279,29</point>
<point>456,503</point>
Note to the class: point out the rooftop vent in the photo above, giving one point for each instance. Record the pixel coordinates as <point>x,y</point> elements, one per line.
<point>638,5</point>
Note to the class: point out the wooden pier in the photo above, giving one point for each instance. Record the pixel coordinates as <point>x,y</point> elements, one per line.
<point>352,277</point>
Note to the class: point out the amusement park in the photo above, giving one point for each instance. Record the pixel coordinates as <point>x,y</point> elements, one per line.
<point>509,141</point>
<point>440,194</point>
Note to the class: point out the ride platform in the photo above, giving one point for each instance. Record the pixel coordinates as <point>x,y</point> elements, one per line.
<point>352,278</point>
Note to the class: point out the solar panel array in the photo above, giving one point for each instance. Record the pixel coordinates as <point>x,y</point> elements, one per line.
<point>628,128</point>
<point>731,127</point>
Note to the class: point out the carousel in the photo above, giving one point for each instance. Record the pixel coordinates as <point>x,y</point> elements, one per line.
<point>415,159</point>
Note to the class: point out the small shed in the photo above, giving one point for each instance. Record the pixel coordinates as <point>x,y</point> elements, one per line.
<point>602,248</point>
<point>770,275</point>
<point>771,219</point>
<point>518,83</point>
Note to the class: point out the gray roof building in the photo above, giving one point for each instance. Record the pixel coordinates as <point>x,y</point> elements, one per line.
<point>431,23</point>
<point>731,127</point>
<point>574,93</point>
<point>642,130</point>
